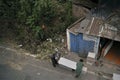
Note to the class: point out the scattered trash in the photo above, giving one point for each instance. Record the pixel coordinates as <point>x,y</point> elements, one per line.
<point>20,45</point>
<point>56,49</point>
<point>50,46</point>
<point>49,39</point>
<point>63,40</point>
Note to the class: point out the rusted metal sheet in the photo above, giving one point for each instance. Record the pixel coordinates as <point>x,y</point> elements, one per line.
<point>96,27</point>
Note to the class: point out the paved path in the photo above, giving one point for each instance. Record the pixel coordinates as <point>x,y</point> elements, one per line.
<point>17,66</point>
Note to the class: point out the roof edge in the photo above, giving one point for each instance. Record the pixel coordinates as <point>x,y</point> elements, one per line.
<point>79,20</point>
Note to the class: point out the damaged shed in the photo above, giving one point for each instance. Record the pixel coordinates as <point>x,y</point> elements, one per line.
<point>93,34</point>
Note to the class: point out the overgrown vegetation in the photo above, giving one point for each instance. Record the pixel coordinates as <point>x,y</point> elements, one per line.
<point>33,21</point>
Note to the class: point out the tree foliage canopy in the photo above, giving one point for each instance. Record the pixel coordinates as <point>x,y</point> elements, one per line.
<point>36,20</point>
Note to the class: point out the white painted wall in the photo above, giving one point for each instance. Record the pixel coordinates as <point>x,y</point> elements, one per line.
<point>68,39</point>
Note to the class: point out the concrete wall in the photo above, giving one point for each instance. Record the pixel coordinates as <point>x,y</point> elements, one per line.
<point>95,39</point>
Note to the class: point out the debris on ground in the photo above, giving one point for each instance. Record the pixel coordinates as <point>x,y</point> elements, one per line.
<point>50,46</point>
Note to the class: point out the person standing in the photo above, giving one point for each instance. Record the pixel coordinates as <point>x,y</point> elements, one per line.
<point>79,67</point>
<point>54,61</point>
<point>54,58</point>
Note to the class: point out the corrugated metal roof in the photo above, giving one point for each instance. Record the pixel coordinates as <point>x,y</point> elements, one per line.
<point>75,27</point>
<point>108,31</point>
<point>96,27</point>
<point>114,20</point>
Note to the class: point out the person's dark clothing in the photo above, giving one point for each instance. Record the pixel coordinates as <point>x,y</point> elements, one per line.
<point>79,67</point>
<point>54,58</point>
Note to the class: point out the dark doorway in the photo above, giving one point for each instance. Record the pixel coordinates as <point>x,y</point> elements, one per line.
<point>102,45</point>
<point>113,54</point>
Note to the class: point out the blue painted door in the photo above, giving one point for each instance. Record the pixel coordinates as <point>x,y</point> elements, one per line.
<point>73,43</point>
<point>80,46</point>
